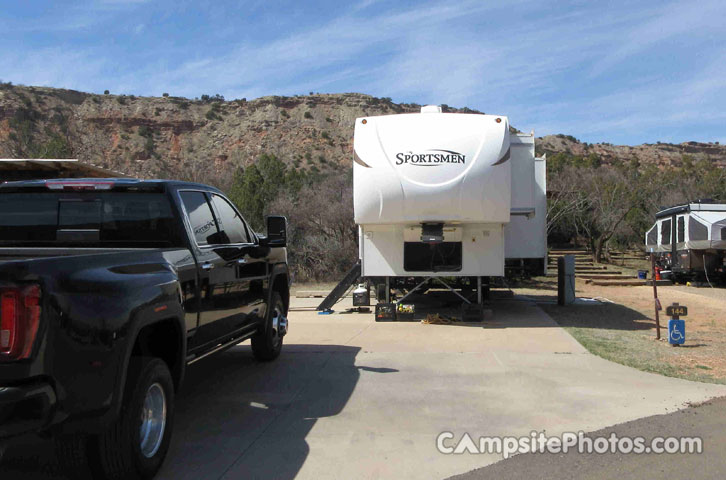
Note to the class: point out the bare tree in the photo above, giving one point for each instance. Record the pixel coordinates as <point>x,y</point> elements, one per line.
<point>565,200</point>
<point>321,232</point>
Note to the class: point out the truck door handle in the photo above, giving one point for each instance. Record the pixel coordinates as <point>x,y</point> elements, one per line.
<point>207,266</point>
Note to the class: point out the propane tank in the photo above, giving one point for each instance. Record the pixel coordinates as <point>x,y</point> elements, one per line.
<point>361,296</point>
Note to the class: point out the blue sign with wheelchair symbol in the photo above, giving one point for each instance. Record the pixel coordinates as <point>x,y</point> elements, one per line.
<point>676,332</point>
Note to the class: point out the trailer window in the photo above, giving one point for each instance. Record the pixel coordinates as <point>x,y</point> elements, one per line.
<point>696,230</point>
<point>681,229</point>
<point>652,238</point>
<point>665,232</point>
<point>432,257</point>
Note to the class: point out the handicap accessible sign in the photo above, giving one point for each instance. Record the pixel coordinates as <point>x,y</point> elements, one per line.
<point>676,332</point>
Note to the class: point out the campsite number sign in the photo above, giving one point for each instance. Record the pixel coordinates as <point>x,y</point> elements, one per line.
<point>676,326</point>
<point>676,310</point>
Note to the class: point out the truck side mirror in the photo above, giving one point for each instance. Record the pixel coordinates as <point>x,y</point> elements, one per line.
<point>276,231</point>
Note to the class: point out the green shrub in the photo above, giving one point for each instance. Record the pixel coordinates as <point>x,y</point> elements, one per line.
<point>145,131</point>
<point>213,112</point>
<point>308,115</point>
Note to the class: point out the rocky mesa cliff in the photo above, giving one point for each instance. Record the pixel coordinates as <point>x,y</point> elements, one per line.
<point>210,138</point>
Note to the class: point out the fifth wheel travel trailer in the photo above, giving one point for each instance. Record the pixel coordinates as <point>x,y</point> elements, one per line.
<point>689,241</point>
<point>447,198</point>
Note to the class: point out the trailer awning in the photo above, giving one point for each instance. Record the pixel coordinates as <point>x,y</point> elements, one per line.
<point>12,169</point>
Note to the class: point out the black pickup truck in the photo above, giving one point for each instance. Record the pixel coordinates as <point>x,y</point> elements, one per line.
<point>109,288</point>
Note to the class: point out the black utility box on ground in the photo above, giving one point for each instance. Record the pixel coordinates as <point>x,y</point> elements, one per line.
<point>385,312</point>
<point>404,313</point>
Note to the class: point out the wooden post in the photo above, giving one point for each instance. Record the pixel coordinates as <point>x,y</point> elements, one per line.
<point>655,296</point>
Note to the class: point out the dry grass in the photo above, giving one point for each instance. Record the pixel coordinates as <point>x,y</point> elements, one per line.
<point>624,331</point>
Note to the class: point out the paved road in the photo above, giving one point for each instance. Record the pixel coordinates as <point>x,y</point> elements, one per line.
<point>707,421</point>
<point>352,398</point>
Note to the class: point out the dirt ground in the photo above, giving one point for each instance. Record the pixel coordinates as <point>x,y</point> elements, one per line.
<point>624,330</point>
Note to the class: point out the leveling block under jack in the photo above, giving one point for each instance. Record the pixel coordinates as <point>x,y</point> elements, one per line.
<point>347,310</point>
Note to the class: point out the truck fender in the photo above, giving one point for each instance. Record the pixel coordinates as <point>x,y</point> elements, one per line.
<point>170,310</point>
<point>279,270</point>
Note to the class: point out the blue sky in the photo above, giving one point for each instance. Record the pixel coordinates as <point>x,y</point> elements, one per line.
<point>605,71</point>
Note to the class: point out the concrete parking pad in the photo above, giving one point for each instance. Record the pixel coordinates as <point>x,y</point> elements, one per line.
<point>352,398</point>
<point>355,399</point>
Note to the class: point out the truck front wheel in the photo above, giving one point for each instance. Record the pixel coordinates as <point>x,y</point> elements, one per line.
<point>267,343</point>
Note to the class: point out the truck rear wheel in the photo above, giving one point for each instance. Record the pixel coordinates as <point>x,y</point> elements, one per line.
<point>267,343</point>
<point>136,445</point>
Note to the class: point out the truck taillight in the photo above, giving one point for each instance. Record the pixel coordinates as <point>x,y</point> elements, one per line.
<point>19,321</point>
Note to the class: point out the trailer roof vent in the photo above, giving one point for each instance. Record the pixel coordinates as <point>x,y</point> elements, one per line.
<point>431,109</point>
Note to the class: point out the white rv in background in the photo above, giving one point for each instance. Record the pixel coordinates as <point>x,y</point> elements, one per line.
<point>689,242</point>
<point>447,195</point>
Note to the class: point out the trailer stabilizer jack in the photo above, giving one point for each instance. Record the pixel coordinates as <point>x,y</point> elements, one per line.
<point>335,294</point>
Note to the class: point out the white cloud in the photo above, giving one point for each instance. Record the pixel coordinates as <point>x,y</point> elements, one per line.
<point>122,2</point>
<point>545,67</point>
<point>673,20</point>
<point>52,67</point>
<point>665,109</point>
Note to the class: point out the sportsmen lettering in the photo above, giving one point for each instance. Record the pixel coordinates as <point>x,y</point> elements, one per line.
<point>430,158</point>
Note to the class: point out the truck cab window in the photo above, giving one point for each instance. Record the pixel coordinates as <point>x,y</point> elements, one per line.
<point>231,221</point>
<point>99,219</point>
<point>200,216</point>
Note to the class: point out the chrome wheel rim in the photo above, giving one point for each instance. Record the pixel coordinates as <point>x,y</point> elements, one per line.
<point>153,420</point>
<point>279,325</point>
